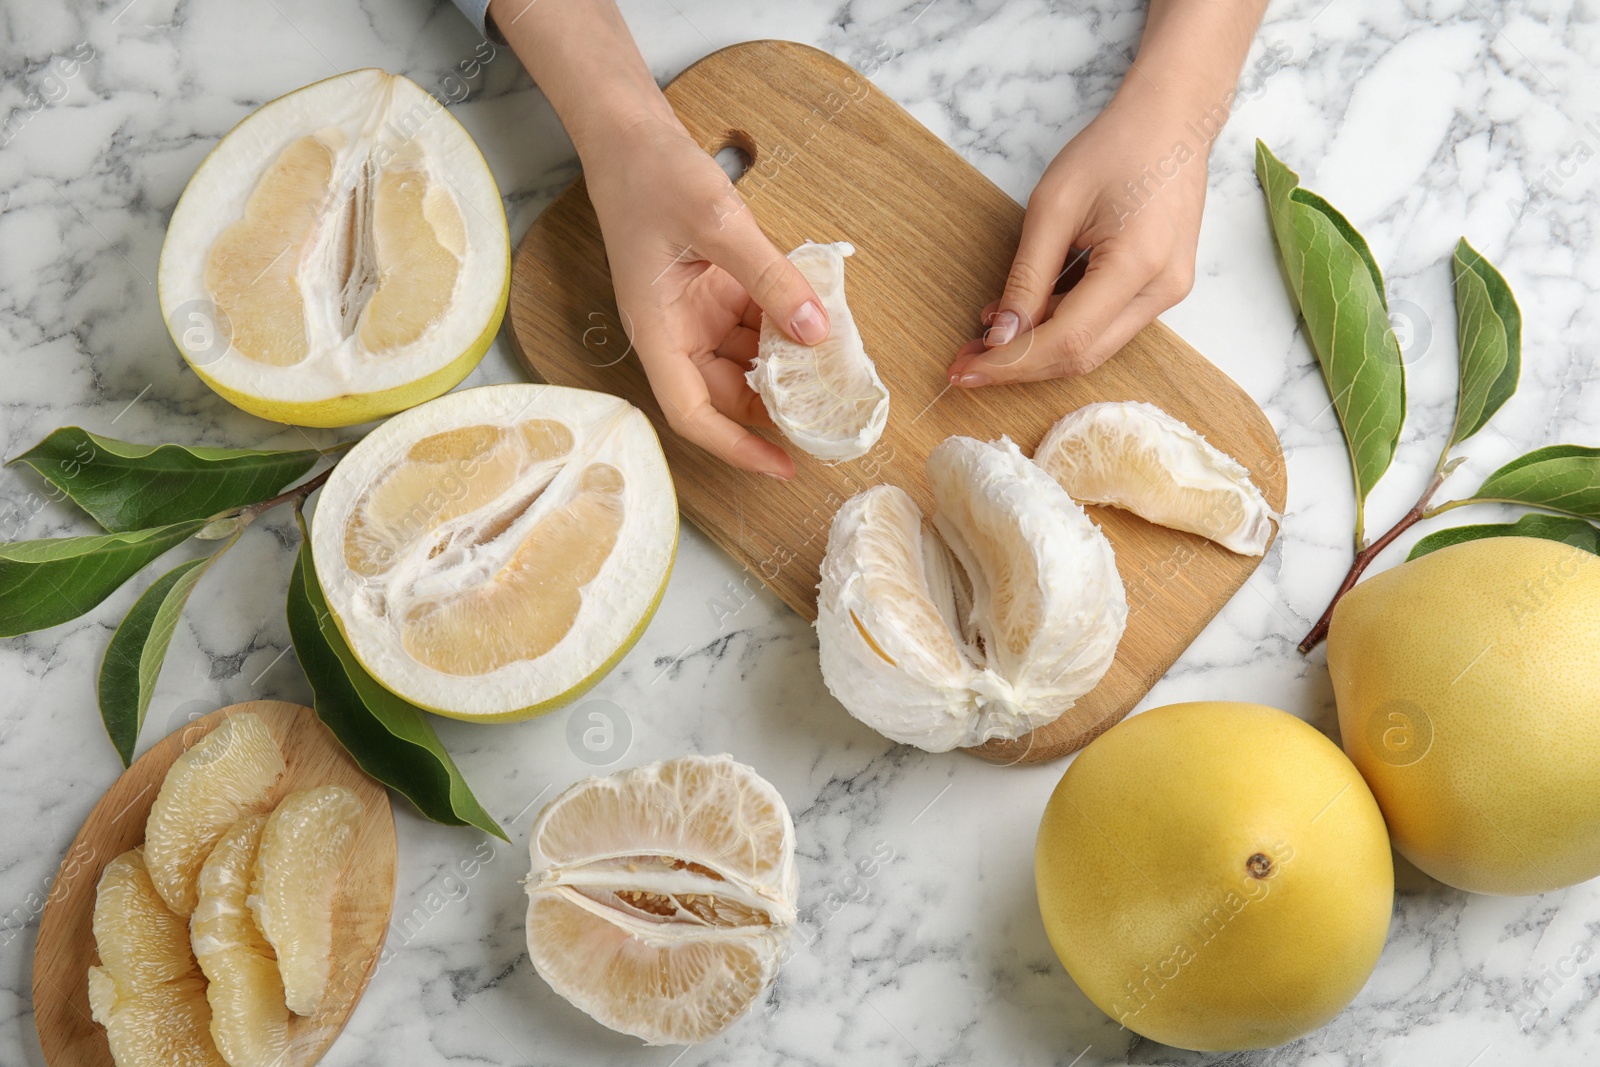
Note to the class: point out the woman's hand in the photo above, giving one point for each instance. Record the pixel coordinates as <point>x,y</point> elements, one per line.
<point>693,272</point>
<point>1122,202</point>
<point>693,275</point>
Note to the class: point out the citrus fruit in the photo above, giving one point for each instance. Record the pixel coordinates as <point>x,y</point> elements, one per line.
<point>228,774</point>
<point>660,898</point>
<point>993,636</point>
<point>249,1022</point>
<point>305,844</point>
<point>341,254</point>
<point>491,554</point>
<point>826,398</point>
<point>1215,876</point>
<point>1135,456</point>
<point>147,991</point>
<point>1467,683</point>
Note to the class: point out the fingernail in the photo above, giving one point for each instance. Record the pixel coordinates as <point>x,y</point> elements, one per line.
<point>972,380</point>
<point>808,325</point>
<point>1003,330</point>
<point>776,475</point>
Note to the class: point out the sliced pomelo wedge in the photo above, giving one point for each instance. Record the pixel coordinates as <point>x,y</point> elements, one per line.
<point>249,1020</point>
<point>342,254</point>
<point>1135,456</point>
<point>493,553</point>
<point>227,775</point>
<point>660,898</point>
<point>993,632</point>
<point>305,844</point>
<point>826,398</point>
<point>147,992</point>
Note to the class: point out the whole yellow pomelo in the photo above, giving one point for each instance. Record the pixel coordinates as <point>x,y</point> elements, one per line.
<point>1215,876</point>
<point>1468,684</point>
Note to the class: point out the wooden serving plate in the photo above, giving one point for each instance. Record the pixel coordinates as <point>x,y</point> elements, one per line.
<point>66,950</point>
<point>834,159</point>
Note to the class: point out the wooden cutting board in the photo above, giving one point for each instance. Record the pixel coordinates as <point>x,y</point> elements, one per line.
<point>834,159</point>
<point>66,949</point>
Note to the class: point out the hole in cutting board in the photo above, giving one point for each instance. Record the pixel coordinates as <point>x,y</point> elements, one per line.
<point>736,155</point>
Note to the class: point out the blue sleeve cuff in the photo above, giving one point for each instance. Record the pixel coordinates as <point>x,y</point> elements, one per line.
<point>477,12</point>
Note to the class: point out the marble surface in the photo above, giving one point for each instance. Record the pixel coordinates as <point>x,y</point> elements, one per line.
<point>920,941</point>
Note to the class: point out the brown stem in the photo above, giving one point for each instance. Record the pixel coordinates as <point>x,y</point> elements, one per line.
<point>297,494</point>
<point>1365,557</point>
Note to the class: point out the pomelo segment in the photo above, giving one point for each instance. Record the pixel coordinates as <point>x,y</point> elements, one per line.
<point>341,255</point>
<point>826,398</point>
<point>249,1020</point>
<point>147,992</point>
<point>305,844</point>
<point>493,553</point>
<point>227,775</point>
<point>660,898</point>
<point>1135,456</point>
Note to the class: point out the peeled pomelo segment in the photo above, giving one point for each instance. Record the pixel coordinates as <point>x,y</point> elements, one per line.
<point>1135,456</point>
<point>826,398</point>
<point>305,844</point>
<point>493,553</point>
<point>249,1020</point>
<point>660,898</point>
<point>147,991</point>
<point>991,629</point>
<point>227,775</point>
<point>342,254</point>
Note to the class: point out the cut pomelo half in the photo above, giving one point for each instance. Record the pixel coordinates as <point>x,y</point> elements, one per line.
<point>147,991</point>
<point>991,628</point>
<point>826,398</point>
<point>660,898</point>
<point>493,553</point>
<point>249,1020</point>
<point>1134,456</point>
<point>305,844</point>
<point>227,775</point>
<point>342,254</point>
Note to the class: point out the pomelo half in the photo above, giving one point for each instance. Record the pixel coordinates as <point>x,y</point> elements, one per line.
<point>341,255</point>
<point>493,553</point>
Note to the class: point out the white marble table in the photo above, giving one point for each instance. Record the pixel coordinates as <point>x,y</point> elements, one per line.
<point>921,944</point>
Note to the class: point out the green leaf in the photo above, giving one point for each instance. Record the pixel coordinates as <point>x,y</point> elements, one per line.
<point>1338,290</point>
<point>391,739</point>
<point>1489,327</point>
<point>1575,532</point>
<point>133,660</point>
<point>126,487</point>
<point>1564,478</point>
<point>44,583</point>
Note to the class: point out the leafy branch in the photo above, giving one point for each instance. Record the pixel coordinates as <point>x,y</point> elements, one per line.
<point>1338,290</point>
<point>150,499</point>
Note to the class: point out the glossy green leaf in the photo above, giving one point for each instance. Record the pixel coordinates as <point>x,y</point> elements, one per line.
<point>133,660</point>
<point>390,738</point>
<point>1564,478</point>
<point>125,486</point>
<point>44,583</point>
<point>1575,532</point>
<point>1489,329</point>
<point>1338,290</point>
